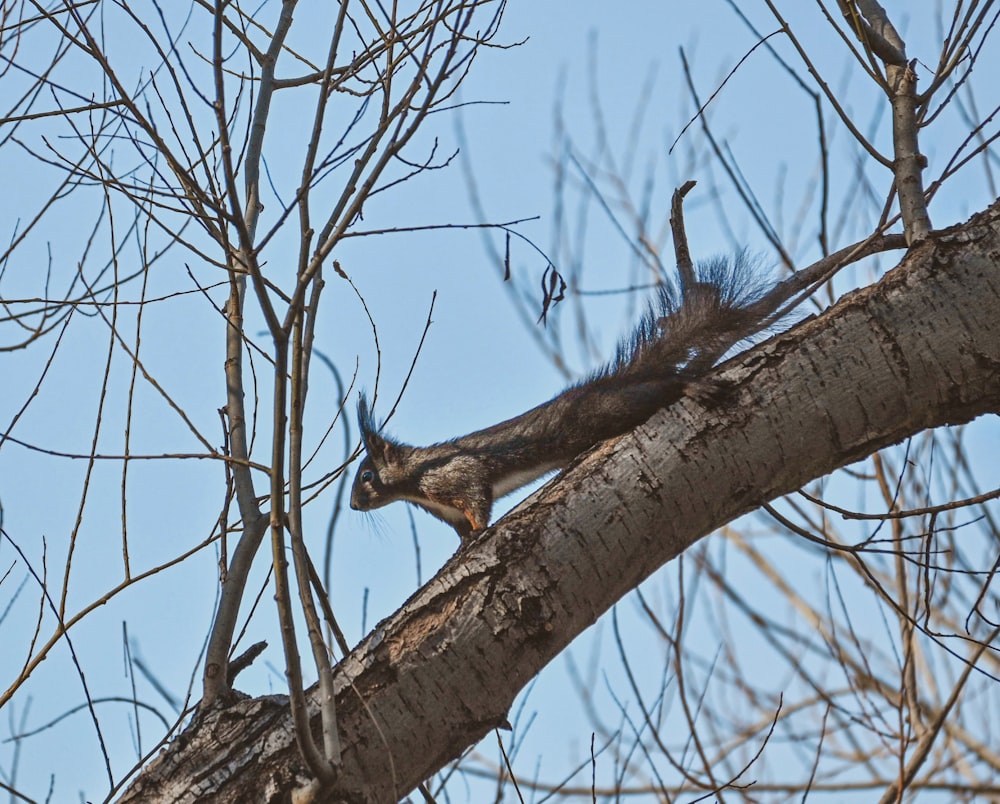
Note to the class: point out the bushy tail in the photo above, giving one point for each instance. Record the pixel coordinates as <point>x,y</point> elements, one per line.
<point>690,328</point>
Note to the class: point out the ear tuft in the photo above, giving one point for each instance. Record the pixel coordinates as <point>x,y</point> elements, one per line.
<point>380,448</point>
<point>365,420</point>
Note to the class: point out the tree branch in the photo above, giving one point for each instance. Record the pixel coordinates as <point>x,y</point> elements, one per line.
<point>881,365</point>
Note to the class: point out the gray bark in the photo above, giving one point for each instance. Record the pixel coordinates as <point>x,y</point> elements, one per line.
<point>919,349</point>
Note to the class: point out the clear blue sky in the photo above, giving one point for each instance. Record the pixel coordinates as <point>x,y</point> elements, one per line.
<point>479,364</point>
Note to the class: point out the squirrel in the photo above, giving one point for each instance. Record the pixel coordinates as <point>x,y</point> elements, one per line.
<point>675,344</point>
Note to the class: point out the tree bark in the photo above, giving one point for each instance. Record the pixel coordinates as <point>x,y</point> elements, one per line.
<point>919,349</point>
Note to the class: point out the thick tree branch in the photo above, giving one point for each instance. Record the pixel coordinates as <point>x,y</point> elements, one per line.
<point>920,349</point>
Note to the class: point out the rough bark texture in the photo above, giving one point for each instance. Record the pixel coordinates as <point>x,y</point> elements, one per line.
<point>919,349</point>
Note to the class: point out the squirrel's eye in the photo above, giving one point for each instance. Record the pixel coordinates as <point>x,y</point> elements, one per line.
<point>367,476</point>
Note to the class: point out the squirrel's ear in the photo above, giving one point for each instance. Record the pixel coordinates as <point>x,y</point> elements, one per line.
<point>373,441</point>
<point>380,449</point>
<point>365,420</point>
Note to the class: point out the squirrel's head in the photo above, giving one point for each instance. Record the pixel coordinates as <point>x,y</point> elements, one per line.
<point>382,476</point>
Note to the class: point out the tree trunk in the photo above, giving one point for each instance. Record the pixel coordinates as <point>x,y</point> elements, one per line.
<point>919,349</point>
